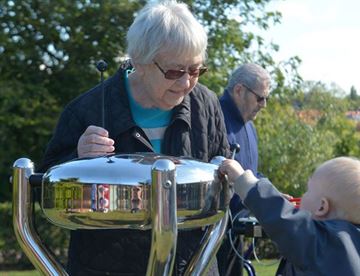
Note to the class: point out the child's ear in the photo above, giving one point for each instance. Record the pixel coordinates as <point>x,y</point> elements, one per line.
<point>323,209</point>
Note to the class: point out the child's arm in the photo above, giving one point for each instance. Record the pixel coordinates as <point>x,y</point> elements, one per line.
<point>329,247</point>
<point>294,232</point>
<point>313,247</point>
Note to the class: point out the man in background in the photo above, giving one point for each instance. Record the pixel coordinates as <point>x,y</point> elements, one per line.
<point>246,94</point>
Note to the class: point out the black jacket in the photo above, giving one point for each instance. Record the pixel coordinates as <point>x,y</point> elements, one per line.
<point>197,130</point>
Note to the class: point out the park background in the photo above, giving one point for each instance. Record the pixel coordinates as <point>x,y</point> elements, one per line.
<point>48,52</point>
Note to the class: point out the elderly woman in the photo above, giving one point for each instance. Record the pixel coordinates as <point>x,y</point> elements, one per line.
<point>152,104</point>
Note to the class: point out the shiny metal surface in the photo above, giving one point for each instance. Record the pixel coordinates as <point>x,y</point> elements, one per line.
<point>138,191</point>
<point>115,192</point>
<point>25,234</point>
<point>212,239</point>
<point>203,258</point>
<point>163,218</point>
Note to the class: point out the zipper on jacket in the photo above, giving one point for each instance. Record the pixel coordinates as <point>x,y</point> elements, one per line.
<point>136,134</point>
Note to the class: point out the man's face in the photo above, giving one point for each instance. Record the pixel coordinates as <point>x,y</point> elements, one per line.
<point>250,101</point>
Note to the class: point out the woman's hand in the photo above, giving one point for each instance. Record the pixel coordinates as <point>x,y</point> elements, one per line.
<point>95,141</point>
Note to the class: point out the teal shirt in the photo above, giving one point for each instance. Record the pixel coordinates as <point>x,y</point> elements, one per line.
<point>153,121</point>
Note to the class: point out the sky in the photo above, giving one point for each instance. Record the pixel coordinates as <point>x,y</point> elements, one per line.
<point>325,34</point>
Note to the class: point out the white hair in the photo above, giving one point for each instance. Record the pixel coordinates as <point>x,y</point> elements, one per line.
<point>341,184</point>
<point>167,26</point>
<point>249,74</point>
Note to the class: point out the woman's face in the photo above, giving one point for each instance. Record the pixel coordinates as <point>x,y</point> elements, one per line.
<point>164,93</point>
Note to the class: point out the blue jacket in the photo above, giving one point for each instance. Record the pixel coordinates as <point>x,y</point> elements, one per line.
<point>310,247</point>
<point>245,135</point>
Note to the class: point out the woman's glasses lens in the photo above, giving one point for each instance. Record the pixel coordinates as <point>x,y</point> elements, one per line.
<point>174,74</point>
<point>177,74</point>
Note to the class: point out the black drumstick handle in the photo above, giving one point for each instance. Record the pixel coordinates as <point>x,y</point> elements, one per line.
<point>234,148</point>
<point>101,66</point>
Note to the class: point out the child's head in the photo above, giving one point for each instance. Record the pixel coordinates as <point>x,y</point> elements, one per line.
<point>334,190</point>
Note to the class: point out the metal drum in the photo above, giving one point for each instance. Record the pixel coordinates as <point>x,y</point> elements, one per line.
<point>133,191</point>
<point>115,192</point>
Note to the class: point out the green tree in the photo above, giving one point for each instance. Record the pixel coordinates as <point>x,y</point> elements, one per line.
<point>306,130</point>
<point>289,148</point>
<point>354,99</point>
<point>353,93</point>
<point>48,51</point>
<point>231,42</point>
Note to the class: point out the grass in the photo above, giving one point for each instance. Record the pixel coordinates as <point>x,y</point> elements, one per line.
<point>266,268</point>
<point>20,273</point>
<point>261,270</point>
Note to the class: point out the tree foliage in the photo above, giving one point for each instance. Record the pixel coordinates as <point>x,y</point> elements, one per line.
<point>289,149</point>
<point>297,136</point>
<point>353,93</point>
<point>354,99</point>
<point>232,41</point>
<point>48,51</point>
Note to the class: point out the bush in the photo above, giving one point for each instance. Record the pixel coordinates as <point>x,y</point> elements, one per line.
<point>289,148</point>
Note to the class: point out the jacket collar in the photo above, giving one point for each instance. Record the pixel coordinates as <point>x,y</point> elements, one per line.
<point>230,107</point>
<point>183,111</point>
<point>118,103</point>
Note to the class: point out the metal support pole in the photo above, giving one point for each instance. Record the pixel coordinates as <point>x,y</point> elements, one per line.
<point>211,242</point>
<point>213,237</point>
<point>163,218</point>
<point>22,221</point>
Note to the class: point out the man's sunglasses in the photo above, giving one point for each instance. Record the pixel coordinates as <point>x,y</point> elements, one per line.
<point>259,99</point>
<point>177,74</point>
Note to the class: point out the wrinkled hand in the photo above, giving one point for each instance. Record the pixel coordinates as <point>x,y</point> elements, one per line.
<point>232,169</point>
<point>95,141</point>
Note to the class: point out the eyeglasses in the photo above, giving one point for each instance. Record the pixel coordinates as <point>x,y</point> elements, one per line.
<point>259,99</point>
<point>177,74</point>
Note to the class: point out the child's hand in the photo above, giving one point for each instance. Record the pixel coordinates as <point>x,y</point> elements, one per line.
<point>231,168</point>
<point>287,196</point>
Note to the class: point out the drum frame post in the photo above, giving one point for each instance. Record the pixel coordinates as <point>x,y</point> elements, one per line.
<point>201,261</point>
<point>163,218</point>
<point>211,242</point>
<point>23,224</point>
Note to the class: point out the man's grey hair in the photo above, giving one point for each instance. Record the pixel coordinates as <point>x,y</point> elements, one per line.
<point>168,26</point>
<point>249,74</point>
